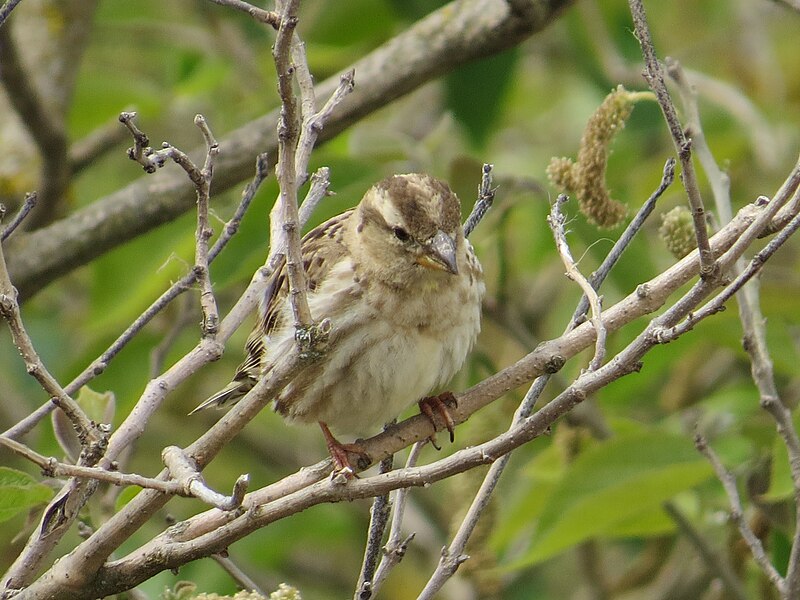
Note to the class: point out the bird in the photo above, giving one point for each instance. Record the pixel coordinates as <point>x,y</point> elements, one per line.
<point>402,288</point>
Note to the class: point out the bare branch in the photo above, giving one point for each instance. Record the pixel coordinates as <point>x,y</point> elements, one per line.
<point>204,232</point>
<point>88,433</point>
<point>6,9</point>
<point>737,515</point>
<point>241,578</point>
<point>747,291</point>
<point>484,201</point>
<point>683,146</point>
<point>313,123</point>
<point>446,567</point>
<point>320,184</point>
<point>378,519</point>
<point>396,544</point>
<point>52,467</point>
<point>717,564</point>
<point>27,205</point>
<point>188,476</point>
<point>284,217</point>
<point>599,276</point>
<point>268,17</point>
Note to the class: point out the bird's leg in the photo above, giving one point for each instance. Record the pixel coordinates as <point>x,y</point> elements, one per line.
<point>340,453</point>
<point>439,404</point>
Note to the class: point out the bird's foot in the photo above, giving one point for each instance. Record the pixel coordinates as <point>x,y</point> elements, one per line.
<point>439,404</point>
<point>340,454</point>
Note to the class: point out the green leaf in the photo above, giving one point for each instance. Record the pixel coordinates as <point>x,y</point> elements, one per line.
<point>780,486</point>
<point>611,486</point>
<point>19,492</point>
<point>475,93</point>
<point>98,406</point>
<point>125,496</point>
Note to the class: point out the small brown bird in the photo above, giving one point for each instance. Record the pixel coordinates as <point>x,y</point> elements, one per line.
<point>402,288</point>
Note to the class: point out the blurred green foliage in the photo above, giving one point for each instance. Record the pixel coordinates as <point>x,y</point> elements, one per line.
<point>517,110</point>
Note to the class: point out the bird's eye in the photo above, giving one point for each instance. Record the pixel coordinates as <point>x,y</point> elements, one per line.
<point>401,234</point>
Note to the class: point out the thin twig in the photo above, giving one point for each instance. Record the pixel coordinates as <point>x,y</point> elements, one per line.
<point>556,220</point>
<point>319,189</point>
<point>268,17</point>
<point>715,563</point>
<point>655,78</point>
<point>27,205</point>
<point>6,9</point>
<point>378,518</point>
<point>313,123</point>
<point>598,276</point>
<point>396,544</point>
<point>484,201</point>
<point>242,579</point>
<point>284,217</point>
<point>52,467</point>
<point>717,303</point>
<point>737,515</point>
<point>88,433</point>
<point>204,232</point>
<point>748,302</point>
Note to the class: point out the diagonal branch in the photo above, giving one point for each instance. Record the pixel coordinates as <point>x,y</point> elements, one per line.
<point>683,146</point>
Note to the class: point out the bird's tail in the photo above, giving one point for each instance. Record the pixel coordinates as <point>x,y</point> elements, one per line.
<point>227,396</point>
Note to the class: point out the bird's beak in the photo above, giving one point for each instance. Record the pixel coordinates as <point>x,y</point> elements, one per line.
<point>440,254</point>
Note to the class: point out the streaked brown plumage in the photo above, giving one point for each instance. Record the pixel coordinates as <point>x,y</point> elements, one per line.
<point>402,288</point>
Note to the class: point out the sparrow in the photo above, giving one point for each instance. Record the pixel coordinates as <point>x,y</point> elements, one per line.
<point>402,288</point>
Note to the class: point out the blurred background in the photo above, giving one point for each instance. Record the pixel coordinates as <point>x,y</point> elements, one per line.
<point>580,512</point>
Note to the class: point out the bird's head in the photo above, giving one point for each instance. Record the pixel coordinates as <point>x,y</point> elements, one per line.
<point>409,226</point>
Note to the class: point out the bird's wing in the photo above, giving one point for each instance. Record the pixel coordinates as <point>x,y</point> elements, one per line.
<point>321,249</point>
